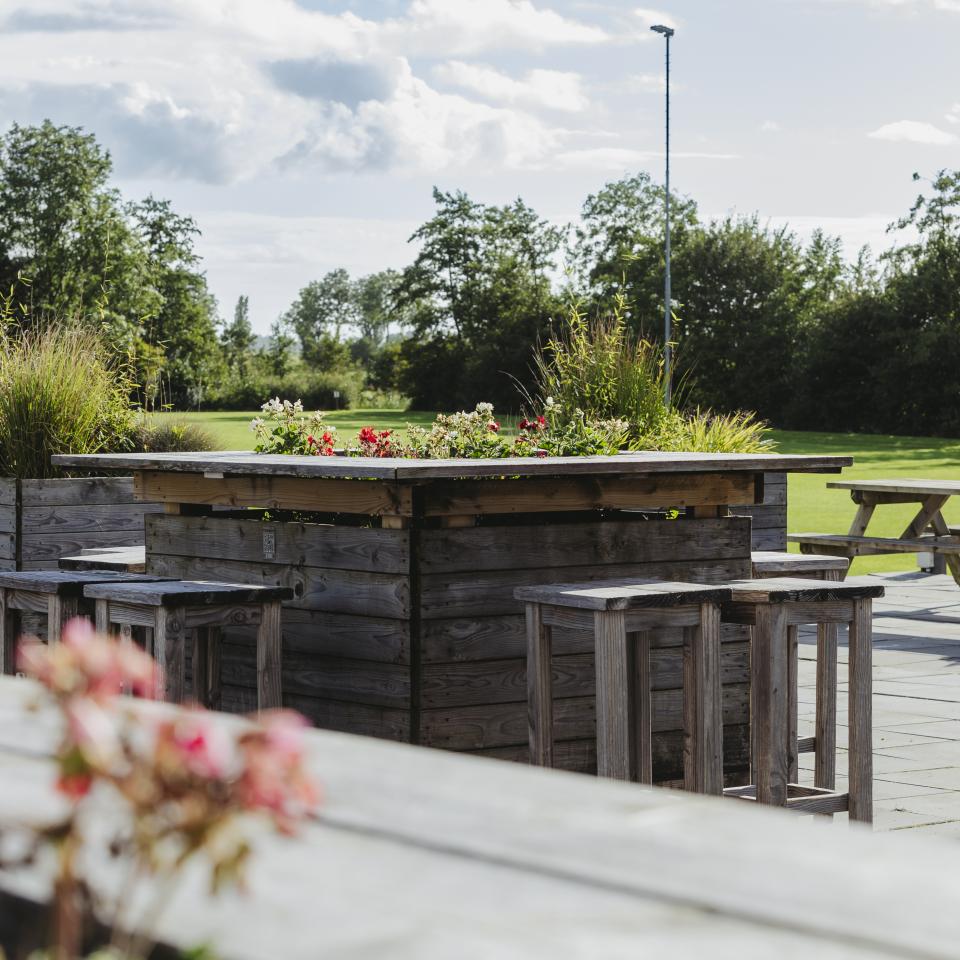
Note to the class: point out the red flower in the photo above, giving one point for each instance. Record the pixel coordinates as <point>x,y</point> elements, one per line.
<point>524,424</point>
<point>541,422</point>
<point>74,786</point>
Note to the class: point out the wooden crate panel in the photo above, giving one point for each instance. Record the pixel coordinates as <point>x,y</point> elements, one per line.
<point>479,726</point>
<point>307,675</point>
<point>580,544</point>
<point>90,518</point>
<point>8,546</point>
<point>299,544</point>
<point>52,546</point>
<point>92,490</point>
<point>499,638</point>
<point>8,492</point>
<point>8,518</point>
<point>338,635</point>
<point>315,588</point>
<point>503,681</point>
<point>444,596</point>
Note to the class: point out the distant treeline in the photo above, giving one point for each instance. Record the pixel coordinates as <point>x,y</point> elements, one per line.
<point>765,321</point>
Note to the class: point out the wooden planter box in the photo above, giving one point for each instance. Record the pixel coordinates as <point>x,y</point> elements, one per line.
<point>43,520</point>
<point>413,634</point>
<point>770,516</point>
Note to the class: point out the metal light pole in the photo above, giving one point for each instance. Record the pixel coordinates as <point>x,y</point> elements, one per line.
<point>667,32</point>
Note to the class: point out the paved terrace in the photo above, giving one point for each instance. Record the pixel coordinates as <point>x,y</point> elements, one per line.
<point>916,705</point>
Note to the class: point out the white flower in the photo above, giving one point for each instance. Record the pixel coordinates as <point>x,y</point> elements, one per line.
<point>549,402</point>
<point>485,409</point>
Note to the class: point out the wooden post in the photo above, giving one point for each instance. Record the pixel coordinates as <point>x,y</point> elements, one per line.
<point>539,687</point>
<point>861,712</point>
<point>702,710</point>
<point>825,742</point>
<point>8,636</point>
<point>59,611</point>
<point>614,675</point>
<point>269,653</point>
<point>643,699</point>
<point>793,707</point>
<point>770,676</point>
<point>201,644</point>
<point>168,642</point>
<point>101,616</point>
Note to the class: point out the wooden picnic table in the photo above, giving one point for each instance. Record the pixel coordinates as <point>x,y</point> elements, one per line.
<point>423,855</point>
<point>927,532</point>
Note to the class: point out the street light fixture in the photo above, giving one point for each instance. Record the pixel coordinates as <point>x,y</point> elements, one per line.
<point>667,33</point>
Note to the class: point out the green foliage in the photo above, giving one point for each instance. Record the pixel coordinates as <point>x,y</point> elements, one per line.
<point>598,368</point>
<point>322,310</point>
<point>333,390</point>
<point>238,339</point>
<point>284,428</point>
<point>582,436</point>
<point>707,432</point>
<point>153,434</point>
<point>60,392</point>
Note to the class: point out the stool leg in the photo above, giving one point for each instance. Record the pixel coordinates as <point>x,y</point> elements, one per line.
<point>793,707</point>
<point>269,648</point>
<point>59,611</point>
<point>539,687</point>
<point>169,636</point>
<point>861,712</point>
<point>825,743</point>
<point>213,692</point>
<point>643,694</point>
<point>769,674</point>
<point>101,616</point>
<point>702,707</point>
<point>614,675</point>
<point>8,636</point>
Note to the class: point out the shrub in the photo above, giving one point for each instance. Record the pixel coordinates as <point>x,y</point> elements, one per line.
<point>707,432</point>
<point>318,390</point>
<point>284,428</point>
<point>60,392</point>
<point>162,435</point>
<point>597,367</point>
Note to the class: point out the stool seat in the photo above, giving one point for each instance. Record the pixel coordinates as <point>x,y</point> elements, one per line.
<point>802,590</point>
<point>180,593</point>
<point>66,583</point>
<point>622,594</point>
<point>772,563</point>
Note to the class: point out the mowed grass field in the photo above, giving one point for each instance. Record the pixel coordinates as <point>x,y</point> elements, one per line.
<point>812,507</point>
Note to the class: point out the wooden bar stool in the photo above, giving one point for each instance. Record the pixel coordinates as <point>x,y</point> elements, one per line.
<point>823,745</point>
<point>620,613</point>
<point>122,559</point>
<point>170,608</point>
<point>57,594</point>
<point>771,607</point>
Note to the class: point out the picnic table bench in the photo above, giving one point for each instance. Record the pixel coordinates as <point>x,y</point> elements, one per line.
<point>424,854</point>
<point>927,532</point>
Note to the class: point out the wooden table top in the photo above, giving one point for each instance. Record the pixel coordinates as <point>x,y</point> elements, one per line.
<point>905,485</point>
<point>239,462</point>
<point>426,855</point>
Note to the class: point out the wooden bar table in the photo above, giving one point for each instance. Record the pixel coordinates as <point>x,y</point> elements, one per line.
<point>404,623</point>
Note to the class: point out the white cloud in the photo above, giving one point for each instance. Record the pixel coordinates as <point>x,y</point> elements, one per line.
<point>770,126</point>
<point>646,83</point>
<point>913,131</point>
<point>953,114</point>
<point>621,158</point>
<point>649,18</point>
<point>550,89</point>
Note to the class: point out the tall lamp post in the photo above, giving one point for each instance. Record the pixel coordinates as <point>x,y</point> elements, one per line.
<point>667,350</point>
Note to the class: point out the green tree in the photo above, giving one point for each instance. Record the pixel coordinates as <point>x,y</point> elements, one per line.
<point>320,313</point>
<point>476,299</point>
<point>238,339</point>
<point>280,349</point>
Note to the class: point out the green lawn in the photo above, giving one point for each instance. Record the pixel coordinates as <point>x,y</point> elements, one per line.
<point>812,506</point>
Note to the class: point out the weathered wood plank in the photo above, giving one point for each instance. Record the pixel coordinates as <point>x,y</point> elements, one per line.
<point>76,491</point>
<point>298,544</point>
<point>8,492</point>
<point>860,702</point>
<point>377,684</point>
<point>859,546</point>
<point>84,518</point>
<point>374,497</point>
<point>627,594</point>
<point>50,547</point>
<point>581,544</point>
<point>315,588</point>
<point>488,594</point>
<point>8,546</point>
<point>545,496</point>
<point>8,518</point>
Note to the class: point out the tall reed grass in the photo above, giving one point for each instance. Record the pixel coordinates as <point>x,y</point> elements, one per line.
<point>60,392</point>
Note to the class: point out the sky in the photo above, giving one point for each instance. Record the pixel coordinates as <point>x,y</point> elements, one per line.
<point>305,135</point>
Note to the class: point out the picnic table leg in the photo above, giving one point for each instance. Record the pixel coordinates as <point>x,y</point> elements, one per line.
<point>941,529</point>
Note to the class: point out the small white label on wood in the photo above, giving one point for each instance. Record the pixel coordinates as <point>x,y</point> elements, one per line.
<point>269,543</point>
<point>212,475</point>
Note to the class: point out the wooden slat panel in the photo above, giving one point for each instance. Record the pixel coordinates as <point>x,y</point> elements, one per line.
<point>8,491</point>
<point>500,638</point>
<point>77,491</point>
<point>315,588</point>
<point>581,544</point>
<point>489,594</point>
<point>379,684</point>
<point>52,546</point>
<point>539,496</point>
<point>299,544</point>
<point>8,518</point>
<point>85,517</point>
<point>8,546</point>
<point>375,497</point>
<point>503,681</point>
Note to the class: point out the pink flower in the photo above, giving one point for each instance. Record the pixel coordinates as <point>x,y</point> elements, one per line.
<point>74,786</point>
<point>193,742</point>
<point>92,731</point>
